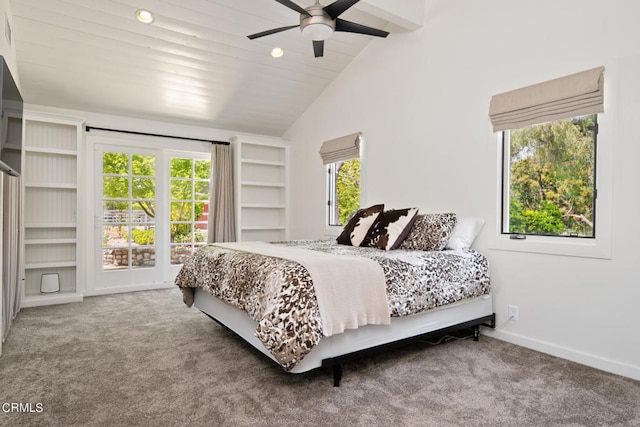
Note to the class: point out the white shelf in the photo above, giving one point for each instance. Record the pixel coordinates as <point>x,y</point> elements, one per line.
<point>51,185</point>
<point>263,162</point>
<point>51,225</point>
<point>263,227</point>
<point>261,168</point>
<point>263,184</point>
<point>50,151</point>
<point>262,206</point>
<point>50,241</point>
<point>53,264</point>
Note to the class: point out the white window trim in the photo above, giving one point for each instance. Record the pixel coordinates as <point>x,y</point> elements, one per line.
<point>598,247</point>
<point>330,230</point>
<point>336,230</point>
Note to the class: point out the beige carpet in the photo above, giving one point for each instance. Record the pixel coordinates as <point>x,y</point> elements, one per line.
<point>144,359</point>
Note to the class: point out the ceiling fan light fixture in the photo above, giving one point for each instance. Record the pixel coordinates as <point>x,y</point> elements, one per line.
<point>144,16</point>
<point>317,31</point>
<point>316,25</point>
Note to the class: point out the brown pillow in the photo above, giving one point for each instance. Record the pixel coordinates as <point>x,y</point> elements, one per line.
<point>391,228</point>
<point>430,232</point>
<point>358,226</point>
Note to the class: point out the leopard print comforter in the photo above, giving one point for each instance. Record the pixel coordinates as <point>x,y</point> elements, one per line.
<point>278,294</point>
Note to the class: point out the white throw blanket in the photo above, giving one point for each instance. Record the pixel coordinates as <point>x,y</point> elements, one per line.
<point>351,290</point>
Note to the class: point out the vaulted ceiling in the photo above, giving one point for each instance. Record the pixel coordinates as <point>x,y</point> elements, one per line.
<point>193,64</point>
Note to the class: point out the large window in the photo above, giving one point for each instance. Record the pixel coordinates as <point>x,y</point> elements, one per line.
<point>343,190</point>
<point>189,206</point>
<point>549,172</point>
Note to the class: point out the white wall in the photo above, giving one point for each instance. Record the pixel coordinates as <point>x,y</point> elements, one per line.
<point>421,100</point>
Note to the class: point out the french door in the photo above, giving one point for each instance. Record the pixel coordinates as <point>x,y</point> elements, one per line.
<point>128,206</point>
<point>151,209</point>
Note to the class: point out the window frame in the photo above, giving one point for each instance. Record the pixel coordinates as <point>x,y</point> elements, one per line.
<point>331,200</point>
<point>506,179</point>
<point>598,246</point>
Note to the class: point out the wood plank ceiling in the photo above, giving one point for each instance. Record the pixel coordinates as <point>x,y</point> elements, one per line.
<point>193,65</point>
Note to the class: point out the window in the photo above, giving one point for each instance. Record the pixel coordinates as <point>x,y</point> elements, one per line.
<point>189,205</point>
<point>546,195</point>
<point>343,190</point>
<point>549,175</point>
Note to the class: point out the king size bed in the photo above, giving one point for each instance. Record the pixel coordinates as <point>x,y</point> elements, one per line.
<point>309,304</point>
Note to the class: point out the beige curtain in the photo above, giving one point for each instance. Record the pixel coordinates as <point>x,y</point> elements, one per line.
<point>344,148</point>
<point>570,96</point>
<point>11,242</point>
<point>222,219</point>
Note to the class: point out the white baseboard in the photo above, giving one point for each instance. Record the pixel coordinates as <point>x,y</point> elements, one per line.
<point>50,299</point>
<point>604,364</point>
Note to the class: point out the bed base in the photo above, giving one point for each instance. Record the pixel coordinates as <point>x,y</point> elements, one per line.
<point>240,324</point>
<point>334,364</point>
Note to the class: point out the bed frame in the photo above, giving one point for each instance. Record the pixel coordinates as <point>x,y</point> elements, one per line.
<point>331,352</point>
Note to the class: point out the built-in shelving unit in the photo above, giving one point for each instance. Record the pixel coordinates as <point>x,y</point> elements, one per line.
<point>262,198</point>
<point>50,216</point>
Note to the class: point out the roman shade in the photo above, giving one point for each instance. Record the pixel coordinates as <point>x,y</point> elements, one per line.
<point>570,96</point>
<point>344,148</point>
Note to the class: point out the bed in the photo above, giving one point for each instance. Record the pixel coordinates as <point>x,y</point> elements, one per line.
<point>270,299</point>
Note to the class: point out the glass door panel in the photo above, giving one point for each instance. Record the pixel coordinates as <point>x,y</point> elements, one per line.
<point>189,206</point>
<point>128,201</point>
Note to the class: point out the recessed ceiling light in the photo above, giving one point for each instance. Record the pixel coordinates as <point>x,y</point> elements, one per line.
<point>277,52</point>
<point>144,16</point>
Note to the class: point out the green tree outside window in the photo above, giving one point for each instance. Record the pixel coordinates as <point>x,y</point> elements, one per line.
<point>348,188</point>
<point>552,178</point>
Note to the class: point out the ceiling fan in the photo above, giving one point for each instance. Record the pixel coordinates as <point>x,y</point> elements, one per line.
<point>318,23</point>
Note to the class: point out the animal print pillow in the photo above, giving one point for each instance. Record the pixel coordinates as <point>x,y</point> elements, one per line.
<point>391,228</point>
<point>358,226</point>
<point>430,232</point>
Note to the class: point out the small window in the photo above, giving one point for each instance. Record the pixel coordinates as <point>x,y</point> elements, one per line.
<point>549,179</point>
<point>343,190</point>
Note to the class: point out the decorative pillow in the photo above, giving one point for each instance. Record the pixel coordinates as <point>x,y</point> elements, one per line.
<point>391,228</point>
<point>430,232</point>
<point>358,226</point>
<point>464,233</point>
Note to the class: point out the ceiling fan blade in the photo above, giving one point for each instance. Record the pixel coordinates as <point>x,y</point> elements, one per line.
<point>318,48</point>
<point>352,27</point>
<point>272,31</point>
<point>336,8</point>
<point>293,6</point>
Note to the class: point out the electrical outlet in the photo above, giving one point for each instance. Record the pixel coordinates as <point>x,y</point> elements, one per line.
<point>514,310</point>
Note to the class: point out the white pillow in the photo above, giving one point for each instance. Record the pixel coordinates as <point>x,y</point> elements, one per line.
<point>464,233</point>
